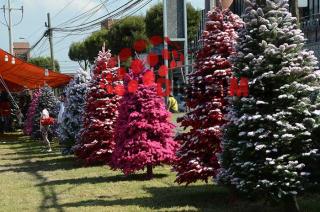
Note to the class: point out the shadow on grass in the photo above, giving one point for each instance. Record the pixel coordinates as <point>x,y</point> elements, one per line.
<point>39,156</point>
<point>42,165</point>
<point>202,197</point>
<point>34,163</point>
<point>95,180</point>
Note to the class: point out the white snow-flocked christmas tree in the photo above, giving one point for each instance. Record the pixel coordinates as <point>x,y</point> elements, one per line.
<point>74,108</point>
<point>268,148</point>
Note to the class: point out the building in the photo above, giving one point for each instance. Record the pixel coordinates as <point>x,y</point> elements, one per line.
<point>309,18</point>
<point>107,23</point>
<point>21,50</point>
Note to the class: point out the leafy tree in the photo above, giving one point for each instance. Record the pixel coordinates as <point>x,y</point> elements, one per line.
<point>79,53</point>
<point>84,52</point>
<point>44,62</point>
<point>94,42</point>
<point>125,32</point>
<point>154,21</point>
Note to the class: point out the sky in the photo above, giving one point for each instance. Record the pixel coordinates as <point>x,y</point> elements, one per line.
<point>32,25</point>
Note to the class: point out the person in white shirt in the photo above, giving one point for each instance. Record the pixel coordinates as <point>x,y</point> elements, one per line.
<point>61,110</point>
<point>45,128</point>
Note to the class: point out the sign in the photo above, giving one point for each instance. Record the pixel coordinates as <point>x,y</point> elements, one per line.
<point>175,20</point>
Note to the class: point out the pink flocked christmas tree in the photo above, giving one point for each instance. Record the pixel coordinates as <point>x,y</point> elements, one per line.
<point>144,133</point>
<point>96,142</point>
<point>28,124</point>
<point>207,88</point>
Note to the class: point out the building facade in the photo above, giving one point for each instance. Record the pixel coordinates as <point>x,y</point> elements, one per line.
<point>21,50</point>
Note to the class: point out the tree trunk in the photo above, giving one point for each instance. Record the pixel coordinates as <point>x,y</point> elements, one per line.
<point>291,204</point>
<point>149,172</point>
<point>294,9</point>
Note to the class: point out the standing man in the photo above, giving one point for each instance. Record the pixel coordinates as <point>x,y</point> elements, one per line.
<point>62,106</point>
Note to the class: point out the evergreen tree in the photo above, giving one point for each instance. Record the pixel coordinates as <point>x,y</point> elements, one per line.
<point>96,138</point>
<point>143,131</point>
<point>74,108</point>
<point>268,145</point>
<point>28,124</point>
<point>207,88</point>
<point>48,101</point>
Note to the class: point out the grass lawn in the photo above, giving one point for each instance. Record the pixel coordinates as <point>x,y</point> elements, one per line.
<point>34,181</point>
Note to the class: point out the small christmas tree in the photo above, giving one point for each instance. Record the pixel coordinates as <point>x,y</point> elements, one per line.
<point>268,146</point>
<point>74,108</point>
<point>48,101</point>
<point>207,88</point>
<point>96,138</point>
<point>144,131</point>
<point>28,124</point>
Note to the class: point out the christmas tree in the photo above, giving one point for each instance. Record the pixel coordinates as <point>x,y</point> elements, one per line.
<point>74,108</point>
<point>207,88</point>
<point>143,131</point>
<point>48,101</point>
<point>268,147</point>
<point>28,124</point>
<point>96,142</point>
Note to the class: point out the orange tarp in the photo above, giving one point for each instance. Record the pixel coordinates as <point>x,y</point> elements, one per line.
<point>11,86</point>
<point>22,75</point>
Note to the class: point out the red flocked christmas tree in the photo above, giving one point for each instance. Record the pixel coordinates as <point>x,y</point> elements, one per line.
<point>144,132</point>
<point>205,93</point>
<point>96,142</point>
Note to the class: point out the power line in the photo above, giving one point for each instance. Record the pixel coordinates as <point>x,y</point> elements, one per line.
<point>80,16</point>
<point>60,11</point>
<point>38,29</point>
<point>125,7</point>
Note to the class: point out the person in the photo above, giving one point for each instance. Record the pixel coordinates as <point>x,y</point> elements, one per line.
<point>172,104</point>
<point>181,103</point>
<point>44,128</point>
<point>62,106</point>
<point>5,112</point>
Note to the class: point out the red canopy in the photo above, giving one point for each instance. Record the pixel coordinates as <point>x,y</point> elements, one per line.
<point>22,75</point>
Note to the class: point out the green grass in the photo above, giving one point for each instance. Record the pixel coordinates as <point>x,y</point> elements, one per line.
<point>34,181</point>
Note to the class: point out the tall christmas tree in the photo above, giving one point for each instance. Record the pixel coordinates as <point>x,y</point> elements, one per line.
<point>48,101</point>
<point>207,88</point>
<point>28,123</point>
<point>96,138</point>
<point>143,132</point>
<point>74,109</point>
<point>268,145</point>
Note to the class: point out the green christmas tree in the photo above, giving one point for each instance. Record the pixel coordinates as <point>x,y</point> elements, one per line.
<point>268,148</point>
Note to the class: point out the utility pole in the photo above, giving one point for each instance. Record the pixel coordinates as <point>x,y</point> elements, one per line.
<point>9,22</point>
<point>49,34</point>
<point>165,35</point>
<point>186,53</point>
<point>9,29</point>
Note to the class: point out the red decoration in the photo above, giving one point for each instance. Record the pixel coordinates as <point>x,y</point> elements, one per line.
<point>47,121</point>
<point>125,54</point>
<point>153,59</point>
<point>140,45</point>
